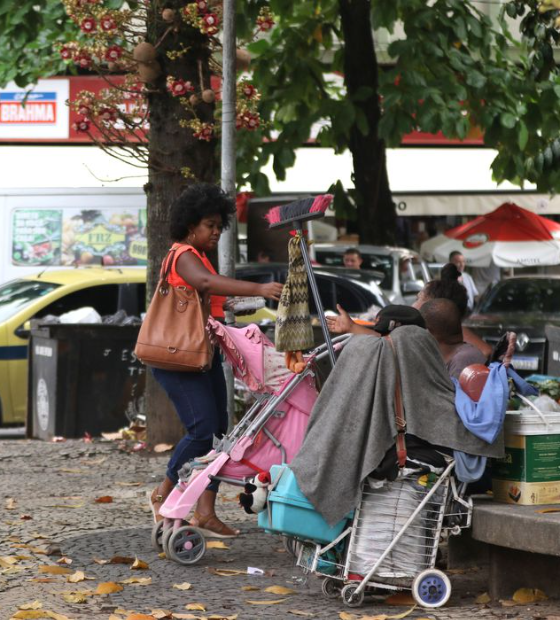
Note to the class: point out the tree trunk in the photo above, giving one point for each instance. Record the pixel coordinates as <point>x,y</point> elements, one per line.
<point>376,209</point>
<point>172,148</point>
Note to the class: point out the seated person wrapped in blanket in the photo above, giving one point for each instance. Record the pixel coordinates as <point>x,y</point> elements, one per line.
<point>352,427</point>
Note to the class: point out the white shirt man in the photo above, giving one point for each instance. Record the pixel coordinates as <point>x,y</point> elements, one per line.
<point>472,292</point>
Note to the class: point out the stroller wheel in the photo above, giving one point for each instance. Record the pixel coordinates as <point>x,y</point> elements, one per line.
<point>165,536</point>
<point>349,596</point>
<point>157,536</point>
<point>431,588</point>
<point>331,587</point>
<point>186,545</point>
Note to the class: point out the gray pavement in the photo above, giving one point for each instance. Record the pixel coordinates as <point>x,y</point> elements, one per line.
<point>48,511</point>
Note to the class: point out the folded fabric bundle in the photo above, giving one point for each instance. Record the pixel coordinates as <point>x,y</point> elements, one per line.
<point>353,422</point>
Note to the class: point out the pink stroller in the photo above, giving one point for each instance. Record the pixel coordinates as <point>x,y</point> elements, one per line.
<point>270,433</point>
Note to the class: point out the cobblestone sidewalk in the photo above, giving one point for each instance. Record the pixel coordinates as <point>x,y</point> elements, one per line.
<point>49,511</point>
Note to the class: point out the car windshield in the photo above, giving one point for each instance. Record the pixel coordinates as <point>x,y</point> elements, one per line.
<point>538,295</point>
<point>17,294</point>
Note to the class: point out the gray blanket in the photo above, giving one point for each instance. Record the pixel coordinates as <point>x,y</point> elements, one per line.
<point>353,423</point>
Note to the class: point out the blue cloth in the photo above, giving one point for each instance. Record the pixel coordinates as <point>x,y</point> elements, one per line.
<point>469,468</point>
<point>524,388</point>
<point>200,399</point>
<point>485,418</point>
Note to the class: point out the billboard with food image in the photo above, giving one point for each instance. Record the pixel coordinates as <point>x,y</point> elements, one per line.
<point>70,237</point>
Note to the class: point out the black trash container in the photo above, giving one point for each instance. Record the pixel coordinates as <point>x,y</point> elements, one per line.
<point>83,378</point>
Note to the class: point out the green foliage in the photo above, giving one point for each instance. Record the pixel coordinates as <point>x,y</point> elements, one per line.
<point>28,31</point>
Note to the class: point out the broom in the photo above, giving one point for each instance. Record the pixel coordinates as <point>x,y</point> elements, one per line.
<point>299,210</point>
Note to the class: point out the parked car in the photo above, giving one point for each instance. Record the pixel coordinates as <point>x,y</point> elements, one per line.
<point>523,304</point>
<point>404,271</point>
<point>356,290</point>
<point>55,292</point>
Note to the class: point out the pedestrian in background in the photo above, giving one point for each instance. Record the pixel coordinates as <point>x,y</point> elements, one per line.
<point>352,258</point>
<point>472,292</point>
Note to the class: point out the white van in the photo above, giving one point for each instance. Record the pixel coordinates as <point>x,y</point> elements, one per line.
<point>66,228</point>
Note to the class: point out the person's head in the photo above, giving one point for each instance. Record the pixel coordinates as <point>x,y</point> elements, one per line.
<point>199,215</point>
<point>263,257</point>
<point>443,320</point>
<point>352,258</point>
<point>393,316</point>
<point>447,287</point>
<point>458,260</point>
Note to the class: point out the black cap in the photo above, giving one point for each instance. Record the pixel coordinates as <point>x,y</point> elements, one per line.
<point>390,317</point>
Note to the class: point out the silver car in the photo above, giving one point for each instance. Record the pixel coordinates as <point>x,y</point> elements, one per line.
<point>404,272</point>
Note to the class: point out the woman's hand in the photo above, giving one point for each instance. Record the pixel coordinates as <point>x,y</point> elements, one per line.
<point>271,290</point>
<point>341,324</point>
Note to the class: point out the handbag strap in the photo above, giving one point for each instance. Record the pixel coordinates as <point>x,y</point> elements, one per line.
<point>166,266</point>
<point>400,418</point>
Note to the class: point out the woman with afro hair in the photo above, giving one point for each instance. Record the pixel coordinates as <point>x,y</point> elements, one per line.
<point>197,219</point>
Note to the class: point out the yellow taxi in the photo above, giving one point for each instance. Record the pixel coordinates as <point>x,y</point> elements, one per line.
<point>55,292</point>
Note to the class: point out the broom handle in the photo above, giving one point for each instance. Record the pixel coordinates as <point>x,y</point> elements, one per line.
<point>315,291</point>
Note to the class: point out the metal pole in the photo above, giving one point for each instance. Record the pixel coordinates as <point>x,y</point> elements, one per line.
<point>227,245</point>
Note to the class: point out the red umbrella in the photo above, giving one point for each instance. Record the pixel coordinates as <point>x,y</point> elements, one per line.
<point>510,236</point>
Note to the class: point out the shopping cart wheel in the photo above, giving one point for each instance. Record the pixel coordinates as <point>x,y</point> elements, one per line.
<point>157,536</point>
<point>431,588</point>
<point>331,587</point>
<point>186,545</point>
<point>349,596</point>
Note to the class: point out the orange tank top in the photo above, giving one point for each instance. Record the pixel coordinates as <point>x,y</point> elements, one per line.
<point>216,301</point>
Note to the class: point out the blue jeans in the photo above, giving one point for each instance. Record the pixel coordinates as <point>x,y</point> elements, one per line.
<point>200,399</point>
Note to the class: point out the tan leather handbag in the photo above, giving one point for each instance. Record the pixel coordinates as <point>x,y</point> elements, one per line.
<point>173,335</point>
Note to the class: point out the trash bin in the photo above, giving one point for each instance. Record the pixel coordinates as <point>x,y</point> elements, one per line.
<point>83,378</point>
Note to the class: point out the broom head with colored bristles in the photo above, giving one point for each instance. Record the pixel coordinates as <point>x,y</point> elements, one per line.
<point>299,210</point>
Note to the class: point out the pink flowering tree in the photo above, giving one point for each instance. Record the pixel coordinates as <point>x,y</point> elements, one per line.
<point>161,106</point>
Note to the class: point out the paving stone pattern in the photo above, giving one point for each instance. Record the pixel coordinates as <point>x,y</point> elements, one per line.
<point>56,484</point>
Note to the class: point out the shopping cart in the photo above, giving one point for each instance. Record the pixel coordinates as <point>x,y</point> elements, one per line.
<point>392,541</point>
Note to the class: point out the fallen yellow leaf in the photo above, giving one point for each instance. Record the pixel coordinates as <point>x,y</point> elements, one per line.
<point>75,597</point>
<point>296,612</point>
<point>139,565</point>
<point>66,506</point>
<point>128,484</point>
<point>182,586</point>
<point>66,470</point>
<point>403,615</point>
<point>8,560</point>
<point>33,605</point>
<point>64,560</point>
<point>195,607</point>
<point>276,602</point>
<point>529,595</point>
<point>279,590</point>
<point>482,599</point>
<point>31,615</point>
<point>54,570</point>
<point>221,617</point>
<point>508,603</point>
<point>108,587</point>
<point>216,544</point>
<point>249,588</point>
<point>187,617</point>
<point>344,615</point>
<point>161,614</point>
<point>226,572</point>
<point>98,561</point>
<point>163,447</point>
<point>141,581</point>
<point>76,577</point>
<point>140,617</point>
<point>10,503</point>
<point>545,511</point>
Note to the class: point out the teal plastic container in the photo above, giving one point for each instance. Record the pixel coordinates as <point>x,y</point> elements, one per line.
<point>292,514</point>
